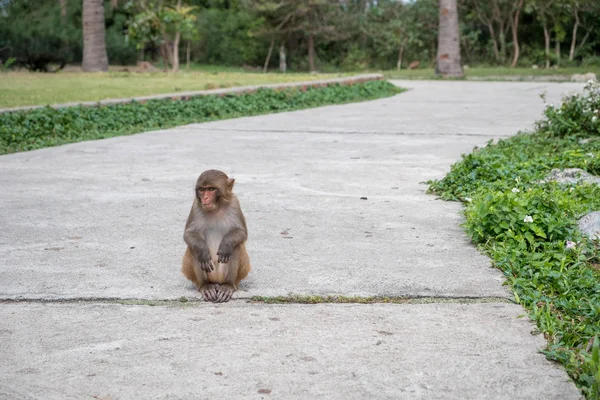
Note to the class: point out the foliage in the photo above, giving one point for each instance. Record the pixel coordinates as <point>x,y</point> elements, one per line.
<point>358,34</point>
<point>578,114</point>
<point>34,33</point>
<point>528,226</point>
<point>44,127</point>
<point>225,38</point>
<point>37,45</point>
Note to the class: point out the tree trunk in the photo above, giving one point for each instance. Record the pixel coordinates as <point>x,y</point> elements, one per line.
<point>63,11</point>
<point>400,53</point>
<point>574,38</point>
<point>268,59</point>
<point>587,35</point>
<point>282,62</point>
<point>448,54</point>
<point>176,52</point>
<point>94,43</point>
<point>502,38</point>
<point>164,52</point>
<point>114,4</point>
<point>490,26</point>
<point>175,49</point>
<point>546,44</point>
<point>515,33</point>
<point>311,53</point>
<point>188,54</point>
<point>557,49</point>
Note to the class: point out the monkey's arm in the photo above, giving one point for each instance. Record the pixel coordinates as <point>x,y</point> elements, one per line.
<point>195,241</point>
<point>230,241</point>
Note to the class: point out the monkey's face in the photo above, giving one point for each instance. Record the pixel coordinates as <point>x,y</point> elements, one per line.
<point>208,197</point>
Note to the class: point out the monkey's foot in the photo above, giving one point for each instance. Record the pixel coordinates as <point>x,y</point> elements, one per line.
<point>209,292</point>
<point>224,293</point>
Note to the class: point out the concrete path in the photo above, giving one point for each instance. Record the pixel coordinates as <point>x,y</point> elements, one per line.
<point>88,223</point>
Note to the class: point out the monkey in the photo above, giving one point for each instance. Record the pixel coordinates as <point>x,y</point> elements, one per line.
<point>215,233</point>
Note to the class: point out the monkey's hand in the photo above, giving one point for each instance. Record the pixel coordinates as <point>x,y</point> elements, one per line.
<point>204,260</point>
<point>225,251</point>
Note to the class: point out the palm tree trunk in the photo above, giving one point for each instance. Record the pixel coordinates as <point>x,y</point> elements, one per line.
<point>448,54</point>
<point>94,43</point>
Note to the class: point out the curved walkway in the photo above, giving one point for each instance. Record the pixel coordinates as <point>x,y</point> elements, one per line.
<point>91,232</point>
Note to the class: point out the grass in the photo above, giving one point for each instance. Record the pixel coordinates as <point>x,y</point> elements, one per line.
<point>494,73</point>
<point>45,127</point>
<point>30,88</point>
<point>529,227</point>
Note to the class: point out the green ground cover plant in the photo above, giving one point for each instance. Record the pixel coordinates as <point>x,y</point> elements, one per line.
<point>527,224</point>
<point>45,127</point>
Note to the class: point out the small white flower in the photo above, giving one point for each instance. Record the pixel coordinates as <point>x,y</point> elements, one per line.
<point>571,245</point>
<point>594,119</point>
<point>528,218</point>
<point>468,199</point>
<point>571,190</point>
<point>515,190</point>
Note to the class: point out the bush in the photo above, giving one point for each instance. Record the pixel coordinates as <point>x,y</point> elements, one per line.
<point>578,115</point>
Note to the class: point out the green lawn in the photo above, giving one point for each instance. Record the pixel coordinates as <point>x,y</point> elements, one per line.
<point>25,88</point>
<point>493,73</point>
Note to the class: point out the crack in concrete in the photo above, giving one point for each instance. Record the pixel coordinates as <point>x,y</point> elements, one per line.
<point>291,299</point>
<point>346,132</point>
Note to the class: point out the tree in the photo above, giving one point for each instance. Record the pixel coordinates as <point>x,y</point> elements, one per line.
<point>163,26</point>
<point>514,26</point>
<point>95,58</point>
<point>590,10</point>
<point>543,12</point>
<point>33,34</point>
<point>312,18</point>
<point>448,55</point>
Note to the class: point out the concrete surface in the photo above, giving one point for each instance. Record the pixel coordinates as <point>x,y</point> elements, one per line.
<point>434,351</point>
<point>104,219</point>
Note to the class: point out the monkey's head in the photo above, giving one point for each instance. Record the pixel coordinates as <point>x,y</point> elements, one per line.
<point>213,188</point>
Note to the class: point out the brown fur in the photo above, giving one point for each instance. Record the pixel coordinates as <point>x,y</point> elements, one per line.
<point>188,268</point>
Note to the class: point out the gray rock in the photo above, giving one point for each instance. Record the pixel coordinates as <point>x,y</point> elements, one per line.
<point>590,76</point>
<point>571,175</point>
<point>589,225</point>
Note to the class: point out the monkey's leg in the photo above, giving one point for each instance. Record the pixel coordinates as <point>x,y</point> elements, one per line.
<point>188,266</point>
<point>195,274</point>
<point>226,290</point>
<point>244,264</point>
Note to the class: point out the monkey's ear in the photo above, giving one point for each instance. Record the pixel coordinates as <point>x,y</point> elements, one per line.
<point>230,183</point>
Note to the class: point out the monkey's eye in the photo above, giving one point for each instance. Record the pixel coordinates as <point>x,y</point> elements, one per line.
<point>211,189</point>
<point>206,189</point>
